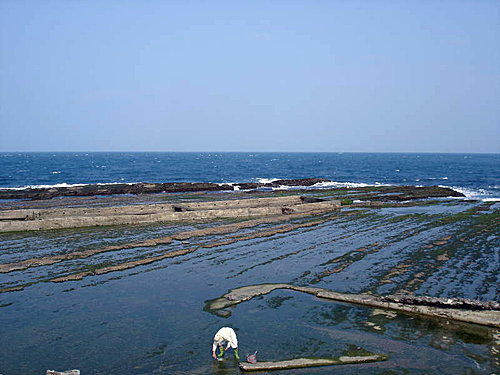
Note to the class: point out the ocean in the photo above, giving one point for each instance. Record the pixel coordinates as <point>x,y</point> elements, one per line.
<point>475,175</point>
<point>119,305</point>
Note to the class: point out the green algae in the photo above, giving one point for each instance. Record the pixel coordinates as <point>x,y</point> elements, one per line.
<point>93,268</point>
<point>277,301</point>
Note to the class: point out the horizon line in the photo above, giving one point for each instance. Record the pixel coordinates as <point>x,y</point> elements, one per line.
<point>258,152</point>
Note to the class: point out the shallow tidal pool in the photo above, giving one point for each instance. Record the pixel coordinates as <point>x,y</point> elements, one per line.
<point>150,319</point>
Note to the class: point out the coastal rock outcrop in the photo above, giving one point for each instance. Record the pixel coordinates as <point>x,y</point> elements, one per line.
<point>488,316</point>
<point>144,188</point>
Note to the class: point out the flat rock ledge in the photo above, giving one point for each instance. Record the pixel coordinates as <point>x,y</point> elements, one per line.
<point>75,217</point>
<point>309,362</point>
<point>488,316</point>
<point>82,212</point>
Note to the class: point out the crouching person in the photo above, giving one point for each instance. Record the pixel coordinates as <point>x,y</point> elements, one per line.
<point>225,337</point>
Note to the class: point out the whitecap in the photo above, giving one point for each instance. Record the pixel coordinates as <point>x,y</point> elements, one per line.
<point>477,194</point>
<point>266,180</point>
<point>285,187</point>
<point>337,184</point>
<point>63,184</point>
<point>42,186</point>
<point>437,178</point>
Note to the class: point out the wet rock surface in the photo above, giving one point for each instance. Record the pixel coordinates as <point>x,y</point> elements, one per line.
<point>74,217</point>
<point>150,282</point>
<point>310,362</point>
<point>144,188</point>
<point>391,193</point>
<point>491,317</point>
<point>456,303</point>
<point>145,207</point>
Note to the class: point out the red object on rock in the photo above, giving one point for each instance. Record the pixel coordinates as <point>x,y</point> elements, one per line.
<point>252,358</point>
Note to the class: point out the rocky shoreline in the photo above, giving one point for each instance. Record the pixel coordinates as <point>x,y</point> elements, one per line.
<point>390,262</point>
<point>146,188</point>
<point>99,205</point>
<point>410,192</point>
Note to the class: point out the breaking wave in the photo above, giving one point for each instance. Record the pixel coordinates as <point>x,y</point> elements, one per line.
<point>476,194</point>
<point>266,180</point>
<point>62,185</point>
<point>337,184</point>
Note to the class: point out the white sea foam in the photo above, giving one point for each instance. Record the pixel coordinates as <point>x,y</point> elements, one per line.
<point>42,186</point>
<point>319,185</point>
<point>266,180</point>
<point>338,184</point>
<point>330,184</point>
<point>479,194</point>
<point>285,187</point>
<point>63,184</point>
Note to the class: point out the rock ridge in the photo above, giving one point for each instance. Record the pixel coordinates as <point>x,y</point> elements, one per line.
<point>145,188</point>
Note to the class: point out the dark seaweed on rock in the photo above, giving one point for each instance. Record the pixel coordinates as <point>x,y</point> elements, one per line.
<point>452,303</point>
<point>143,188</point>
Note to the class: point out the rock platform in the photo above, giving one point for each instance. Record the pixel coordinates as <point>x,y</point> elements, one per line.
<point>75,217</point>
<point>309,362</point>
<point>489,316</point>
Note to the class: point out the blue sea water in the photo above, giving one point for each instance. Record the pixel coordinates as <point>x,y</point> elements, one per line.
<point>476,175</point>
<point>135,321</point>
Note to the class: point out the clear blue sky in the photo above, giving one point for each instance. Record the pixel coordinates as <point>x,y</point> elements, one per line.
<point>374,76</point>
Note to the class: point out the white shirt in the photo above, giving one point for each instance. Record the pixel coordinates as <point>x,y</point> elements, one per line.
<point>225,334</point>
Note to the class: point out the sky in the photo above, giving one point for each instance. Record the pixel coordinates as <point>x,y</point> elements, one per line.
<point>288,76</point>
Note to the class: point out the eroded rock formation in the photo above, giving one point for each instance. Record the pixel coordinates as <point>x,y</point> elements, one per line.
<point>235,296</point>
